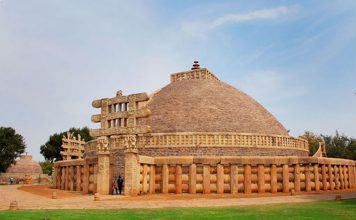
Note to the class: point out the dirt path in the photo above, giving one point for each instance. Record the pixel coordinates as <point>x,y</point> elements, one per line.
<point>39,197</point>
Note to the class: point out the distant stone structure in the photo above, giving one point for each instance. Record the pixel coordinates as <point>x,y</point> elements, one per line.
<point>25,170</point>
<point>197,135</point>
<point>73,147</point>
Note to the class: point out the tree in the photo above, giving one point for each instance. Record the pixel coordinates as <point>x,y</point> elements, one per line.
<point>337,146</point>
<point>12,145</point>
<point>340,146</point>
<point>47,167</point>
<point>313,141</point>
<point>52,148</point>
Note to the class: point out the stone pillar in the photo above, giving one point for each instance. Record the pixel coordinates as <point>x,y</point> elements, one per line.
<point>346,179</point>
<point>316,178</point>
<point>152,179</point>
<point>103,176</point>
<point>144,178</point>
<point>77,184</point>
<point>296,178</point>
<point>55,177</point>
<point>323,176</point>
<point>337,177</point>
<point>86,178</point>
<point>71,178</point>
<point>165,178</point>
<point>192,178</point>
<point>132,172</point>
<point>247,174</point>
<point>353,168</point>
<point>66,183</point>
<point>341,176</point>
<point>261,178</point>
<point>331,177</point>
<point>234,179</point>
<point>63,179</point>
<point>307,179</point>
<point>351,176</point>
<point>179,179</point>
<point>274,185</point>
<point>354,175</point>
<point>206,179</point>
<point>220,179</point>
<point>285,174</point>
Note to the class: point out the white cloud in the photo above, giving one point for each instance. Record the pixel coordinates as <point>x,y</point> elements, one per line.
<point>199,27</point>
<point>263,14</point>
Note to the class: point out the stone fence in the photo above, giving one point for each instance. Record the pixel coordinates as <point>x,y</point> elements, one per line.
<point>76,175</point>
<point>238,175</point>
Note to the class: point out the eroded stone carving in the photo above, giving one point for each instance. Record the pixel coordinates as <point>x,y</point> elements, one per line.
<point>130,142</point>
<point>73,147</point>
<point>103,144</point>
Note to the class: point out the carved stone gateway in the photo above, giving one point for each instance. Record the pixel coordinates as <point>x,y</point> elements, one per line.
<point>73,147</point>
<point>118,118</point>
<point>119,114</point>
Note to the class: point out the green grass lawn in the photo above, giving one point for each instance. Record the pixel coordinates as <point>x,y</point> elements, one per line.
<point>345,209</point>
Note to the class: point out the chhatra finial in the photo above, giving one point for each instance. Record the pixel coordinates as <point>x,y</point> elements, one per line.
<point>195,65</point>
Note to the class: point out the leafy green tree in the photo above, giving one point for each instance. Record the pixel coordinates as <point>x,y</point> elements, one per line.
<point>47,167</point>
<point>313,141</point>
<point>337,146</point>
<point>52,148</point>
<point>12,145</point>
<point>340,146</point>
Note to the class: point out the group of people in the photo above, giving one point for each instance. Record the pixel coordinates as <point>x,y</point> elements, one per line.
<point>117,185</point>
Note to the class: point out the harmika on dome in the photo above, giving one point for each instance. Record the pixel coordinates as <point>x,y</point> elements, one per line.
<point>197,135</point>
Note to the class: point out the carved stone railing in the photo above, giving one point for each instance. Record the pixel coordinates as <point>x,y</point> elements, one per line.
<point>219,140</point>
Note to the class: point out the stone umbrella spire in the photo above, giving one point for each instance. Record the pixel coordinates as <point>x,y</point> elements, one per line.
<point>195,65</point>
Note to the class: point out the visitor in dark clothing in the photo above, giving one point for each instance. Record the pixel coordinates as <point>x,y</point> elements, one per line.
<point>120,184</point>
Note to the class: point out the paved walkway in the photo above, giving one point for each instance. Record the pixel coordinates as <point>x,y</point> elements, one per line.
<point>27,200</point>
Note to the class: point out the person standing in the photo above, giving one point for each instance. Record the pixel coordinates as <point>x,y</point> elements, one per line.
<point>114,187</point>
<point>120,184</point>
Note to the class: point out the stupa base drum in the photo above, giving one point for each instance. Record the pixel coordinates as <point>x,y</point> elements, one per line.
<point>197,135</point>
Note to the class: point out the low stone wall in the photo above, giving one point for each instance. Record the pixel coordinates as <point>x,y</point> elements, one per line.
<point>76,175</point>
<point>242,175</point>
<point>26,178</point>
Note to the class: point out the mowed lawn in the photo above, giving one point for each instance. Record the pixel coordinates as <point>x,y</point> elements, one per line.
<point>345,209</point>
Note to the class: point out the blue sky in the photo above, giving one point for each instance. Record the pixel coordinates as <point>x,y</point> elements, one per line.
<point>297,58</point>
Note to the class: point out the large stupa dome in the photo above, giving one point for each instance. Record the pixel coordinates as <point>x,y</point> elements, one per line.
<point>208,106</point>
